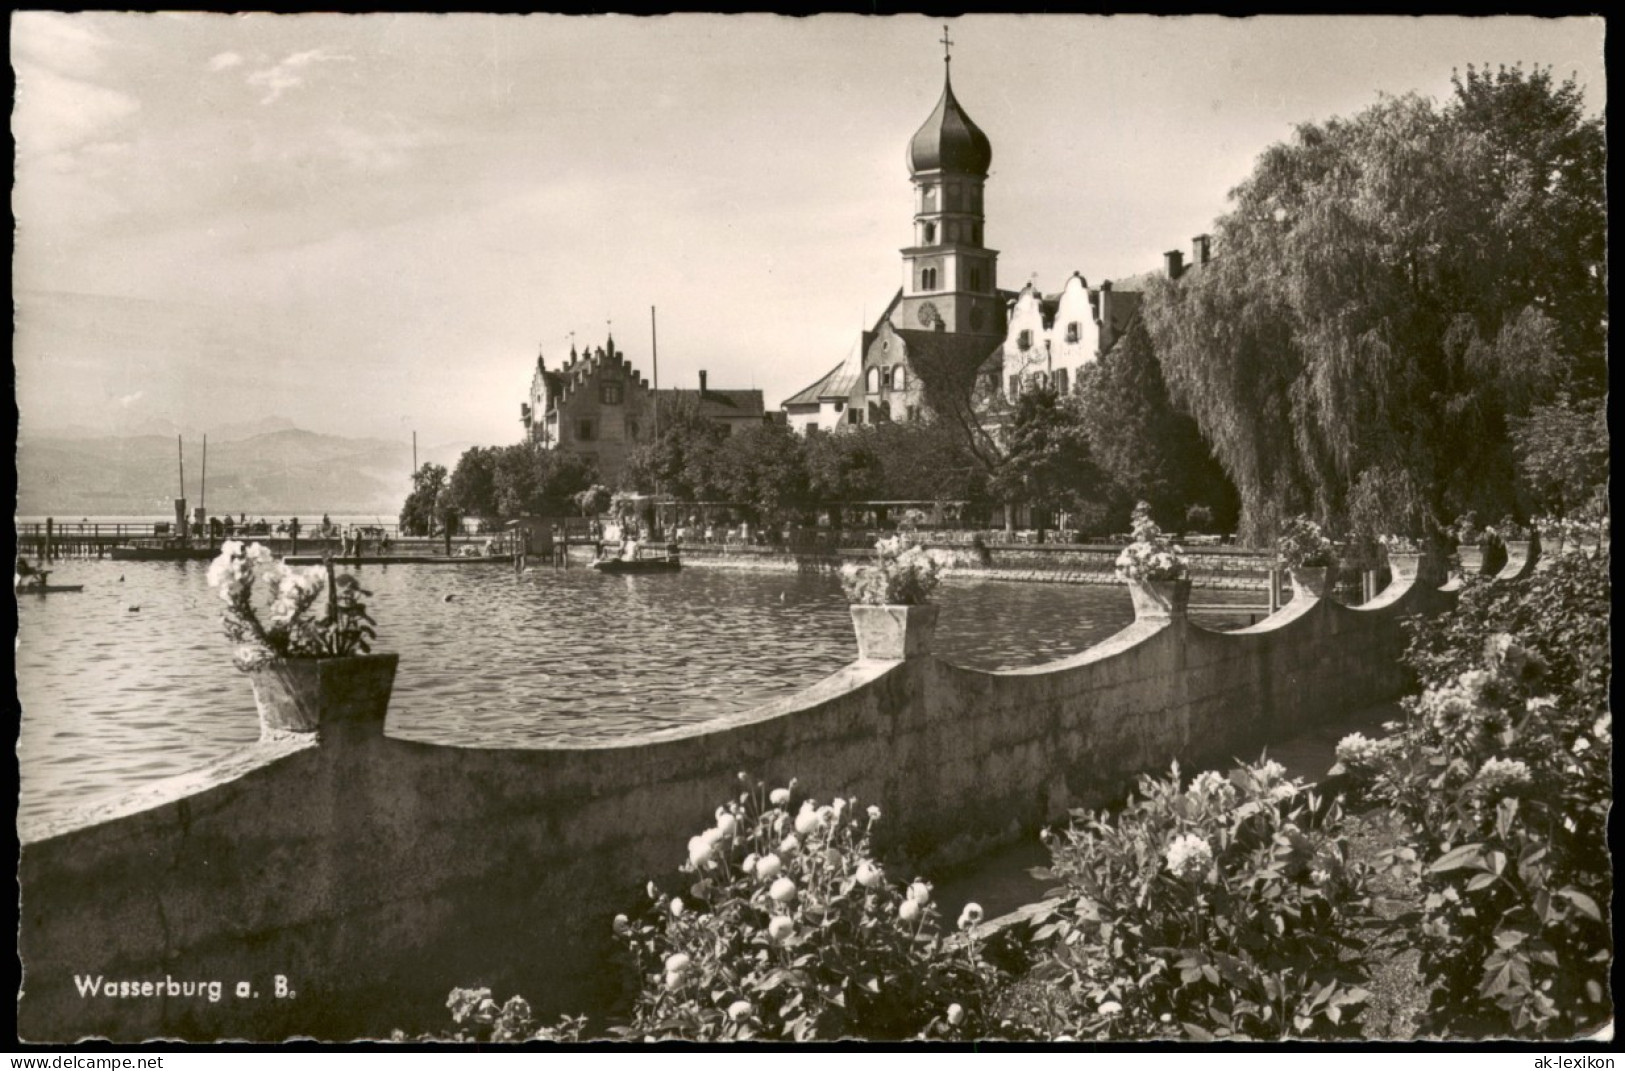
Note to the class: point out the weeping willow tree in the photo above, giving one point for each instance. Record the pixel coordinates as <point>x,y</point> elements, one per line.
<point>1393,293</point>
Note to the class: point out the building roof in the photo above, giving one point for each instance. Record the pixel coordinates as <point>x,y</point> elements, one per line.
<point>719,404</point>
<point>949,141</point>
<point>827,385</point>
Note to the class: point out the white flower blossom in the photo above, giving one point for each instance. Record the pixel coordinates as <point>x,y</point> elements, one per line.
<point>970,916</point>
<point>908,910</point>
<point>676,907</point>
<point>677,963</point>
<point>869,875</point>
<point>783,891</point>
<point>956,1015</point>
<point>768,867</point>
<point>780,927</point>
<point>874,813</point>
<point>1498,775</point>
<point>1189,856</point>
<point>779,797</point>
<point>920,893</point>
<point>1110,1008</point>
<point>740,1009</point>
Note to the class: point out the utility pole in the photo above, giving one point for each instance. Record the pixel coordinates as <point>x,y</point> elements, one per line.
<point>414,453</point>
<point>654,359</point>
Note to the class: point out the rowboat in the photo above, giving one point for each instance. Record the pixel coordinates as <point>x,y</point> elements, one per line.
<point>622,566</point>
<point>48,589</point>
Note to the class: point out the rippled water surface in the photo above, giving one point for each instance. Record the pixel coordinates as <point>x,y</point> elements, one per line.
<point>113,696</point>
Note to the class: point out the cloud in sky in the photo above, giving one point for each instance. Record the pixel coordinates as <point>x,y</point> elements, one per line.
<point>56,113</point>
<point>224,60</point>
<point>130,399</point>
<point>288,74</point>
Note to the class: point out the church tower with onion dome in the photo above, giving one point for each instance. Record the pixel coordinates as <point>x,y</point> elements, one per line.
<point>949,275</point>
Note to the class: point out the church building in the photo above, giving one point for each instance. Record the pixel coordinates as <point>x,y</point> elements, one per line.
<point>949,319</point>
<point>949,314</point>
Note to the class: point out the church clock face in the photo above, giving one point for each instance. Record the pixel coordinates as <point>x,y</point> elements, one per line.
<point>978,316</point>
<point>929,316</point>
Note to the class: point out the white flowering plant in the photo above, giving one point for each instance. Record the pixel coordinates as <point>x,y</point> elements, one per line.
<point>792,928</point>
<point>1500,777</point>
<point>904,574</point>
<point>1399,544</point>
<point>1303,545</point>
<point>290,625</point>
<point>1152,555</point>
<point>1227,907</point>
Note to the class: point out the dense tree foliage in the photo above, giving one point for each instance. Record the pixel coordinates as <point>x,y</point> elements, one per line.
<point>516,481</point>
<point>764,469</point>
<point>1562,452</point>
<point>1046,462</point>
<point>1152,451</point>
<point>682,460</point>
<point>473,486</point>
<point>423,506</point>
<point>1394,291</point>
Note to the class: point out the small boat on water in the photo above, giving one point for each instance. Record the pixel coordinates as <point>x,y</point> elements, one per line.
<point>48,589</point>
<point>620,566</point>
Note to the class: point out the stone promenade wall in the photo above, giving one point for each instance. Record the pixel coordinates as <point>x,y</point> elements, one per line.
<point>1060,563</point>
<point>372,874</point>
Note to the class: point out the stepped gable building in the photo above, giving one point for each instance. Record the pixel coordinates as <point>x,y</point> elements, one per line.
<point>949,315</point>
<point>598,405</point>
<point>1052,336</point>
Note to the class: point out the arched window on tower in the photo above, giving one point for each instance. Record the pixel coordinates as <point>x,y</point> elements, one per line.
<point>930,234</point>
<point>872,381</point>
<point>928,278</point>
<point>899,378</point>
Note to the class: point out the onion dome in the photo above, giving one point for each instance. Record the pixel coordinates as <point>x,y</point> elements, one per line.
<point>949,141</point>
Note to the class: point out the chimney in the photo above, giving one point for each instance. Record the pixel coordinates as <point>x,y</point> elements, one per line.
<point>702,382</point>
<point>1199,250</point>
<point>1175,261</point>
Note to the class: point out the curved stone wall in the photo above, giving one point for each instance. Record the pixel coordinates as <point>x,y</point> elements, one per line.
<point>372,874</point>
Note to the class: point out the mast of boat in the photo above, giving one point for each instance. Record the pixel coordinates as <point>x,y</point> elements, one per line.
<point>654,360</point>
<point>203,484</point>
<point>180,462</point>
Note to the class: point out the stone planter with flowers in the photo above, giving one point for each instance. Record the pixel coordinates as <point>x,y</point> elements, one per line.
<point>1157,571</point>
<point>307,658</point>
<point>891,611</point>
<point>1309,556</point>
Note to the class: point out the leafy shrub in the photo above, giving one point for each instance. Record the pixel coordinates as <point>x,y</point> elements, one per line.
<point>480,1019</point>
<point>1559,616</point>
<point>1501,774</point>
<point>905,575</point>
<point>1152,555</point>
<point>291,627</point>
<point>791,929</point>
<point>1302,545</point>
<point>1225,909</point>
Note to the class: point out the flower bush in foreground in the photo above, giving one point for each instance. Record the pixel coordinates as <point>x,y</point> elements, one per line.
<point>905,575</point>
<point>1228,908</point>
<point>292,626</point>
<point>1302,545</point>
<point>792,929</point>
<point>1152,555</point>
<point>1500,773</point>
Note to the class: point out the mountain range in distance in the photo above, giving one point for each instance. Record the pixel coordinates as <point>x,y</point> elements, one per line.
<point>265,468</point>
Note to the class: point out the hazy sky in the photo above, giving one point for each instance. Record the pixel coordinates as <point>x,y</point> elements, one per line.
<point>368,224</point>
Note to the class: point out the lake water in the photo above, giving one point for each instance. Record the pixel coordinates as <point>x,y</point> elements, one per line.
<point>113,696</point>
